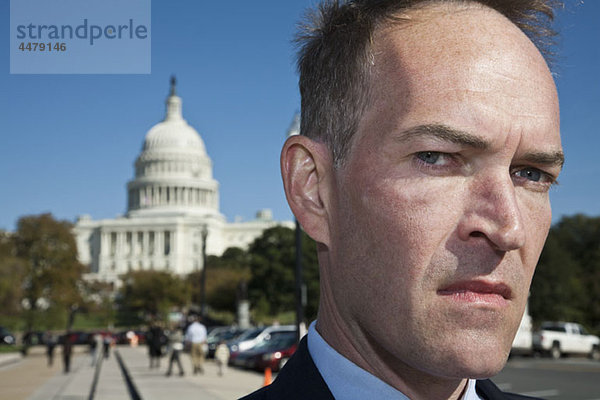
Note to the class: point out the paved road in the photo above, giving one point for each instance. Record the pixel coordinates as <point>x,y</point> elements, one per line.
<point>31,379</point>
<point>565,379</point>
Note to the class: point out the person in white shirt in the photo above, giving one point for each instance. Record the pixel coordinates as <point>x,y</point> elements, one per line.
<point>196,336</point>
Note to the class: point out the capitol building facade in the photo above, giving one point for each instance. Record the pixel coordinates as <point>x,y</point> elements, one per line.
<point>172,209</point>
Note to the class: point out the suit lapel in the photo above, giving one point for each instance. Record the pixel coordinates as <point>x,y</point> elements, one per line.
<point>299,379</point>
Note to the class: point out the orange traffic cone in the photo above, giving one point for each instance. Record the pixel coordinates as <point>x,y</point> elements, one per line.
<point>268,378</point>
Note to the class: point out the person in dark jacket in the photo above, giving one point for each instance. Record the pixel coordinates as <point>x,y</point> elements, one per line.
<point>67,351</point>
<point>50,340</point>
<point>429,140</point>
<point>154,339</point>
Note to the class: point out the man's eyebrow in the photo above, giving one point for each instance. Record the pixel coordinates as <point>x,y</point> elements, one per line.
<point>446,133</point>
<point>552,159</point>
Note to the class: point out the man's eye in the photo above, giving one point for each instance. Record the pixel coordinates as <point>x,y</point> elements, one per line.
<point>429,157</point>
<point>530,173</point>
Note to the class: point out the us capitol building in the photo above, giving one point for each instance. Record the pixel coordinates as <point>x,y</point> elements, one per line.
<point>173,206</point>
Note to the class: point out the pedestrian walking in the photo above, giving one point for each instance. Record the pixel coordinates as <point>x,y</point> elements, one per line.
<point>196,336</point>
<point>155,341</point>
<point>106,343</point>
<point>67,351</point>
<point>93,340</point>
<point>222,357</point>
<point>175,346</point>
<point>50,346</point>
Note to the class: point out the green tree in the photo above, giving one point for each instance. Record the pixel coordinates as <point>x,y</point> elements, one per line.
<point>272,263</point>
<point>223,276</point>
<point>580,234</point>
<point>99,303</point>
<point>233,258</point>
<point>146,294</point>
<point>221,287</point>
<point>11,278</point>
<point>566,285</point>
<point>52,275</point>
<point>556,288</point>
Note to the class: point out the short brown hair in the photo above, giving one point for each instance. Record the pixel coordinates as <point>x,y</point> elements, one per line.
<point>334,58</point>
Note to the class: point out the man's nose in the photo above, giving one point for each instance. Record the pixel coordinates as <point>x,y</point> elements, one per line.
<point>492,210</point>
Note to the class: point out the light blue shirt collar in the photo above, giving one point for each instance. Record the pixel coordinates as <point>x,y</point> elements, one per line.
<point>347,381</point>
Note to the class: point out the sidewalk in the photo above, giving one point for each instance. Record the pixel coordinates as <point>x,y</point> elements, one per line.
<point>154,385</point>
<point>9,358</point>
<point>31,379</point>
<point>20,376</point>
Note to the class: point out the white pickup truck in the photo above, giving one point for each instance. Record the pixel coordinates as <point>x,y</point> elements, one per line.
<point>559,338</point>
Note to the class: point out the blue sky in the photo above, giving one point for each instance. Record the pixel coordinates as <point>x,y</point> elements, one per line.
<point>68,142</point>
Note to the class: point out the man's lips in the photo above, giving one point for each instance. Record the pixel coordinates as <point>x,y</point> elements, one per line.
<point>478,291</point>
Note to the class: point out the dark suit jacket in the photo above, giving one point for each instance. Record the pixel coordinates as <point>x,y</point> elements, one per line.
<point>300,380</point>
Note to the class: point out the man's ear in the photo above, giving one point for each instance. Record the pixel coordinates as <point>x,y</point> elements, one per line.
<point>306,169</point>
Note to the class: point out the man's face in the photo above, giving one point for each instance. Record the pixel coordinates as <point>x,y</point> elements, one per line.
<point>441,209</point>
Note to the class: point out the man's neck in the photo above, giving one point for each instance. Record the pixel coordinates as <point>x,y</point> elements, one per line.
<point>415,384</point>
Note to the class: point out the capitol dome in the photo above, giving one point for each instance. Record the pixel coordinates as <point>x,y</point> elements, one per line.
<point>173,132</point>
<point>173,173</point>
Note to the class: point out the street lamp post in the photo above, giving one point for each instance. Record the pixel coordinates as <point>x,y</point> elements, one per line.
<point>203,274</point>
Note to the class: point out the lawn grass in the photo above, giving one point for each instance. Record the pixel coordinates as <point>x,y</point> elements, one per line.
<point>10,349</point>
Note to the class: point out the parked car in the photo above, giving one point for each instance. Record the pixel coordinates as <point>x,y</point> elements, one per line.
<point>272,353</point>
<point>561,338</point>
<point>252,337</point>
<point>248,334</point>
<point>34,338</point>
<point>75,337</point>
<point>81,337</point>
<point>6,337</point>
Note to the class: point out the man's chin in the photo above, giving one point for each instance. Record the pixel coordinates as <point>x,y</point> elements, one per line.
<point>477,362</point>
<point>479,344</point>
<point>468,353</point>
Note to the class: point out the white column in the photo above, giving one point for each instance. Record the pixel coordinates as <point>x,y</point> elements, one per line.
<point>158,244</point>
<point>119,251</point>
<point>146,242</point>
<point>104,243</point>
<point>174,256</point>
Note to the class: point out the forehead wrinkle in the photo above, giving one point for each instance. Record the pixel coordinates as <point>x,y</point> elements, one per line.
<point>445,133</point>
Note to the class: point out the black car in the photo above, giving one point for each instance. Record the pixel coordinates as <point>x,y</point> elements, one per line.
<point>6,337</point>
<point>34,338</point>
<point>75,337</point>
